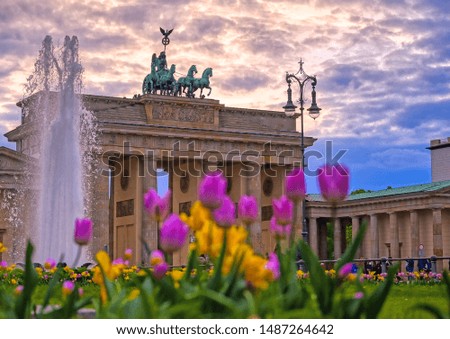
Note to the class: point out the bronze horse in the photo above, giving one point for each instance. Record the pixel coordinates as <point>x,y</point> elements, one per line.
<point>166,80</point>
<point>186,82</point>
<point>203,82</point>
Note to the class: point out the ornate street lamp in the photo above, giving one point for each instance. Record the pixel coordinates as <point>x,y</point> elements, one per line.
<point>314,111</point>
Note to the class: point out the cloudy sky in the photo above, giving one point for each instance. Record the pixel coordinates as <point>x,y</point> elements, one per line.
<point>383,66</point>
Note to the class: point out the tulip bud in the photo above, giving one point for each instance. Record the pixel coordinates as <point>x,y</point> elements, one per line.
<point>173,234</point>
<point>334,182</point>
<point>212,190</point>
<point>295,185</point>
<point>248,209</point>
<point>83,231</point>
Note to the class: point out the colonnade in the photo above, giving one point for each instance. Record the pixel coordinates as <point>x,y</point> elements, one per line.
<point>391,234</point>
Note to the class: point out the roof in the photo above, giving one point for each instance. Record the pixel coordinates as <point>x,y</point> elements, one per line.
<point>422,188</point>
<point>13,154</point>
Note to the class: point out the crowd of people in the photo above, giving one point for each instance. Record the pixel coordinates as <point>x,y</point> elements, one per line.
<point>423,265</point>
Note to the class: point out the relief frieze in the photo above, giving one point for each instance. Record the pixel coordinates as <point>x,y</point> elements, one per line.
<point>185,114</point>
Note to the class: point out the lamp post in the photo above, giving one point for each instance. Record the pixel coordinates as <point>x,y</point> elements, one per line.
<point>314,111</point>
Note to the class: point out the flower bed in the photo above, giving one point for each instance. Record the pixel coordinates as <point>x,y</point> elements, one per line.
<point>223,278</point>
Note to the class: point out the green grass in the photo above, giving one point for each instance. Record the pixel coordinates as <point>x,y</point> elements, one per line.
<point>401,302</point>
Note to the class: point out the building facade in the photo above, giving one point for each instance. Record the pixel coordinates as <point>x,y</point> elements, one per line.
<point>186,138</point>
<point>398,221</point>
<point>440,159</point>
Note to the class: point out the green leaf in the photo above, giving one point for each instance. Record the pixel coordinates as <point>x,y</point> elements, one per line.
<point>437,313</point>
<point>148,302</point>
<point>192,264</point>
<point>216,280</point>
<point>231,287</point>
<point>23,303</point>
<point>250,302</point>
<point>219,298</point>
<point>446,278</point>
<point>322,284</point>
<point>51,287</point>
<point>350,252</point>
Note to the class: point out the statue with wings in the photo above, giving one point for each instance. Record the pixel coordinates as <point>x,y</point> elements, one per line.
<point>166,32</point>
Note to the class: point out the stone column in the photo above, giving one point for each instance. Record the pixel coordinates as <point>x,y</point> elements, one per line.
<point>322,231</point>
<point>337,238</point>
<point>437,236</point>
<point>99,209</point>
<point>313,235</point>
<point>149,231</point>
<point>252,186</point>
<point>366,244</point>
<point>373,236</point>
<point>355,229</point>
<point>393,225</point>
<point>414,229</point>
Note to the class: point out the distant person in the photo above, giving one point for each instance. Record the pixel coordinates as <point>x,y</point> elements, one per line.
<point>428,266</point>
<point>409,265</point>
<point>421,264</point>
<point>368,267</point>
<point>388,263</point>
<point>377,268</point>
<point>202,259</point>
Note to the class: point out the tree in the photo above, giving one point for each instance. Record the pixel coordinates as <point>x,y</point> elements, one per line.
<point>360,190</point>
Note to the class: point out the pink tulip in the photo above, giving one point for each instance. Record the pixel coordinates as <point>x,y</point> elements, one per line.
<point>358,295</point>
<point>280,231</point>
<point>225,215</point>
<point>158,264</point>
<point>49,264</point>
<point>173,234</point>
<point>334,182</point>
<point>345,270</point>
<point>212,190</point>
<point>67,287</point>
<point>248,209</point>
<point>156,257</point>
<point>157,207</point>
<point>160,270</point>
<point>295,184</point>
<point>128,254</point>
<point>282,210</point>
<point>273,265</point>
<point>118,261</point>
<point>83,231</point>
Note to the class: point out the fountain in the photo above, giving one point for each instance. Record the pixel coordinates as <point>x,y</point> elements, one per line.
<point>58,74</point>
